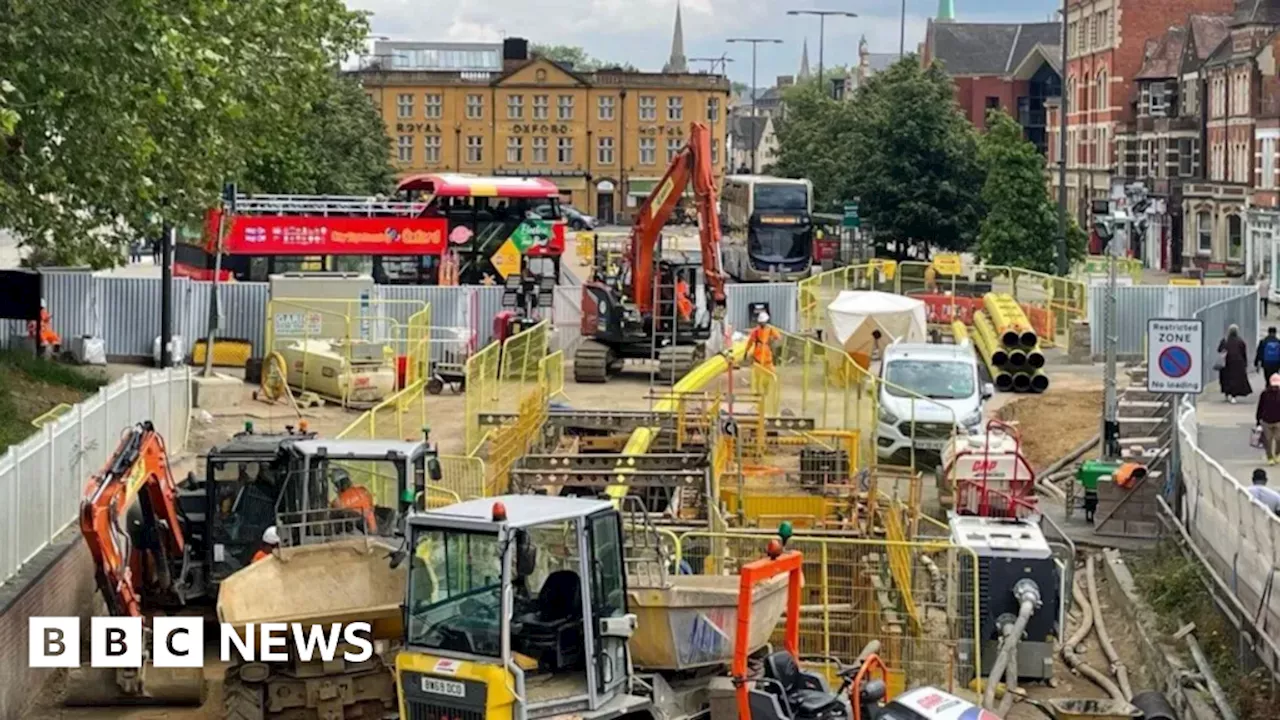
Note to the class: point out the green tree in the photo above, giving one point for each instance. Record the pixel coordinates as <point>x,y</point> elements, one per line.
<point>136,111</point>
<point>815,141</point>
<point>339,148</point>
<point>1022,221</point>
<point>900,146</point>
<point>576,58</point>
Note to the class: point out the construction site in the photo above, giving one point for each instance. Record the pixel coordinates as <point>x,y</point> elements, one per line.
<point>626,509</point>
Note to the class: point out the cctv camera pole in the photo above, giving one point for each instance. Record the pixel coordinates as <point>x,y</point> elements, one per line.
<point>1110,423</point>
<point>227,217</point>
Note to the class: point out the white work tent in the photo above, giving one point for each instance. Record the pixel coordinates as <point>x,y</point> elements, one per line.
<point>855,315</point>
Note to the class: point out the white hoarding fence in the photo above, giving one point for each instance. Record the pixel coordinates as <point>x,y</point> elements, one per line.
<point>42,478</point>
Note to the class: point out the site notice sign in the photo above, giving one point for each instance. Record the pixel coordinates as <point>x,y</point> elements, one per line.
<point>1175,356</point>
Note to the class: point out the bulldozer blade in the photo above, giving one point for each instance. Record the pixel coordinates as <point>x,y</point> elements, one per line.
<point>105,687</point>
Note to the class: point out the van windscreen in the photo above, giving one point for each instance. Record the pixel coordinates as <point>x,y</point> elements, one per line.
<point>934,379</point>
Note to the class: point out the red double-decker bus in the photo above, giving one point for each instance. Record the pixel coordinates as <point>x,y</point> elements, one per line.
<point>492,218</point>
<point>455,225</point>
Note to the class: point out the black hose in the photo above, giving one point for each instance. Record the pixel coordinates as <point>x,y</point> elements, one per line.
<point>1154,706</point>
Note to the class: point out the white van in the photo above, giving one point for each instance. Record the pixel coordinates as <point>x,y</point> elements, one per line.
<point>948,376</point>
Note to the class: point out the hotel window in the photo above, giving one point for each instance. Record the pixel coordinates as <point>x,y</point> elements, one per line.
<point>475,107</point>
<point>713,109</point>
<point>604,151</point>
<point>675,108</point>
<point>515,107</point>
<point>673,148</point>
<point>541,107</point>
<point>475,149</point>
<point>434,106</point>
<point>405,149</point>
<point>648,107</point>
<point>404,105</point>
<point>1101,96</point>
<point>604,107</point>
<point>540,151</point>
<point>431,148</point>
<point>564,151</point>
<point>1267,163</point>
<point>648,151</point>
<point>1235,237</point>
<point>1204,233</point>
<point>515,149</point>
<point>564,107</point>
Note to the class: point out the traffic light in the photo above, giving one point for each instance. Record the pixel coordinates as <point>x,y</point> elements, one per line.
<point>1103,224</point>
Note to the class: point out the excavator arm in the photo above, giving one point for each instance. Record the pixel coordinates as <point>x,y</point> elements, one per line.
<point>130,520</point>
<point>692,163</point>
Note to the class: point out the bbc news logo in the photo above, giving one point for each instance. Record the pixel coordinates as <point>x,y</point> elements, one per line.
<point>117,642</point>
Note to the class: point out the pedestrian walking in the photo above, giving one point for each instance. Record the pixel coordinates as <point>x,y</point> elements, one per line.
<point>1263,494</point>
<point>155,252</point>
<point>1264,293</point>
<point>1233,366</point>
<point>1267,418</point>
<point>1267,359</point>
<point>135,251</point>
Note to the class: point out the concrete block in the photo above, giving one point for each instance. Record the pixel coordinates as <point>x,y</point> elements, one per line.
<point>216,392</point>
<point>1080,352</point>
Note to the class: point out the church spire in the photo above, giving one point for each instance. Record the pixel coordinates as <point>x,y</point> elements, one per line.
<point>946,11</point>
<point>677,63</point>
<point>804,61</point>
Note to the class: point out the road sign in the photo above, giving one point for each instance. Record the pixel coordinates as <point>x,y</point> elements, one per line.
<point>948,264</point>
<point>1175,356</point>
<point>851,219</point>
<point>507,259</point>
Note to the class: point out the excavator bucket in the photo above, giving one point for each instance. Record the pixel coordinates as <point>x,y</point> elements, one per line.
<point>105,687</point>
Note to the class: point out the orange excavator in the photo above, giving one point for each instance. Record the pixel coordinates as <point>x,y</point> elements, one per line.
<point>622,316</point>
<point>132,523</point>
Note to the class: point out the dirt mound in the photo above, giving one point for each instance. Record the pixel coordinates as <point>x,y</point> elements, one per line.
<point>1055,423</point>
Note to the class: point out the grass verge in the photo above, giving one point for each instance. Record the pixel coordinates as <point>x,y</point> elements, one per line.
<point>1172,585</point>
<point>30,387</point>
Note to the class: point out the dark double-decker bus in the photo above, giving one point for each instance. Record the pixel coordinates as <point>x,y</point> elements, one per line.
<point>767,229</point>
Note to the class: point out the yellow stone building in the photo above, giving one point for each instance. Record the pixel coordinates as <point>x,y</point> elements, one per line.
<point>604,138</point>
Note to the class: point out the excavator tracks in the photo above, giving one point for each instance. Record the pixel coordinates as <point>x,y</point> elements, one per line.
<point>591,362</point>
<point>674,362</point>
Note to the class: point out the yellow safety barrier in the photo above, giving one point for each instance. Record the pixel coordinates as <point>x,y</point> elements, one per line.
<point>481,395</point>
<point>827,384</point>
<point>815,293</point>
<point>54,413</point>
<point>511,441</point>
<point>1097,265</point>
<point>463,476</point>
<point>551,371</point>
<point>764,383</point>
<point>401,415</point>
<point>521,355</point>
<point>346,349</point>
<point>918,599</point>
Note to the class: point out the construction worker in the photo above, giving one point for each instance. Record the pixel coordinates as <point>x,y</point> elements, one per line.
<point>270,541</point>
<point>760,341</point>
<point>355,498</point>
<point>684,302</point>
<point>48,338</point>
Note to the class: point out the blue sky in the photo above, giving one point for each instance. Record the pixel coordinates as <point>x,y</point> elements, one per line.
<point>639,31</point>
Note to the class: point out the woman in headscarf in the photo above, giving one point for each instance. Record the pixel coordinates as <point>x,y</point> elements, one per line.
<point>1233,362</point>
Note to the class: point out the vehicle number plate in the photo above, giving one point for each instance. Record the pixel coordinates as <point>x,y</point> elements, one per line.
<point>436,686</point>
<point>930,444</point>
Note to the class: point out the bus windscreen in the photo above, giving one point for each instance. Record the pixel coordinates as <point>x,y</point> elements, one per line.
<point>781,198</point>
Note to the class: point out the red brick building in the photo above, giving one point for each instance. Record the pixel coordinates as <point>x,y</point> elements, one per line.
<point>1011,66</point>
<point>1107,46</point>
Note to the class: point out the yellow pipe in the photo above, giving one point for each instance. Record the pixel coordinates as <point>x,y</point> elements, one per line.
<point>1002,379</point>
<point>695,380</point>
<point>1012,324</point>
<point>982,328</point>
<point>959,332</point>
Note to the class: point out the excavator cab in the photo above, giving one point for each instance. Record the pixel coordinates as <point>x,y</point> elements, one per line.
<point>229,509</point>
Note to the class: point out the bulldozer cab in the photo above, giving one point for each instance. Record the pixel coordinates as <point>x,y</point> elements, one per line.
<point>338,488</point>
<point>237,502</point>
<point>515,600</point>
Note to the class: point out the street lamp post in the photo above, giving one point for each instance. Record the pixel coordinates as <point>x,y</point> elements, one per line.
<point>822,29</point>
<point>1063,266</point>
<point>754,43</point>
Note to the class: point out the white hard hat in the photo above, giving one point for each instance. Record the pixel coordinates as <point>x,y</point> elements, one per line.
<point>270,536</point>
<point>762,318</point>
